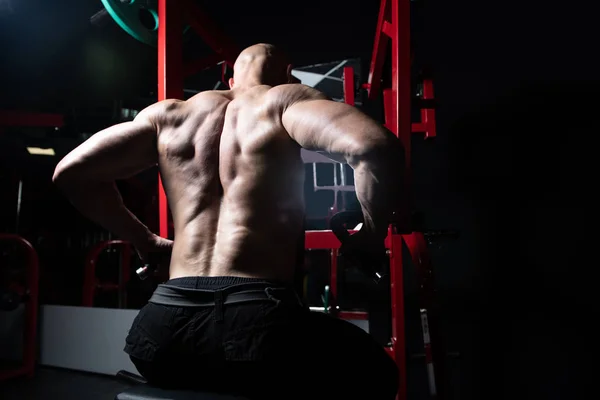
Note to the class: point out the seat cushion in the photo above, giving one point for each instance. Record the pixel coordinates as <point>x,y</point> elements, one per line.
<point>144,392</point>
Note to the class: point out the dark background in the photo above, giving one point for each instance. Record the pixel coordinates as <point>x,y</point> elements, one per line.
<point>511,168</point>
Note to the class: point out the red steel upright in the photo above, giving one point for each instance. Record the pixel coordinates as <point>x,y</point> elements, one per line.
<point>170,79</point>
<point>349,85</point>
<point>394,25</point>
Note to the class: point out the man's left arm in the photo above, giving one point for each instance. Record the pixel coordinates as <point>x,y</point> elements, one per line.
<point>87,175</point>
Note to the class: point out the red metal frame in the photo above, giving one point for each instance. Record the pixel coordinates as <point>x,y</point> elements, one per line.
<point>327,240</point>
<point>91,284</point>
<point>394,24</point>
<point>170,79</point>
<point>398,349</point>
<point>427,124</point>
<point>349,85</point>
<point>434,355</point>
<point>31,311</point>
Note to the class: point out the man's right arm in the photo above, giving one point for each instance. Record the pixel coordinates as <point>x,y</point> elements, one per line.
<point>375,154</point>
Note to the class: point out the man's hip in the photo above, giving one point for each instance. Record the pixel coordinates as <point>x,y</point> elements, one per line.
<point>211,317</point>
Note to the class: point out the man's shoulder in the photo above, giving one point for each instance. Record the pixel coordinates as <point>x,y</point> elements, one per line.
<point>169,105</point>
<point>159,108</point>
<point>210,97</point>
<point>289,94</point>
<point>199,104</point>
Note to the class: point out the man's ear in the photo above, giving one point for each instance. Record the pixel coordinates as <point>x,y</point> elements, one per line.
<point>230,81</point>
<point>291,78</point>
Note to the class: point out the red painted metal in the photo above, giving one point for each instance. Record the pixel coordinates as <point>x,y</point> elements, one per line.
<point>389,107</point>
<point>321,240</point>
<point>394,24</point>
<point>333,280</point>
<point>398,349</point>
<point>390,352</point>
<point>170,79</point>
<point>379,49</point>
<point>400,15</point>
<point>27,367</point>
<point>349,85</point>
<point>428,353</point>
<point>417,247</point>
<point>30,119</point>
<point>327,240</point>
<point>91,285</point>
<point>355,315</point>
<point>427,124</point>
<point>428,114</point>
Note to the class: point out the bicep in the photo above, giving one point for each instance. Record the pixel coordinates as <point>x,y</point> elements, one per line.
<point>117,152</point>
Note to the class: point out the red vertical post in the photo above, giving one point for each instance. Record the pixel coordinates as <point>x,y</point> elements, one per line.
<point>393,25</point>
<point>349,85</point>
<point>333,281</point>
<point>170,78</point>
<point>398,322</point>
<point>434,347</point>
<point>400,13</point>
<point>379,51</point>
<point>428,114</point>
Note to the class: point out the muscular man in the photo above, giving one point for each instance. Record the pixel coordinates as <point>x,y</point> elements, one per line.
<point>230,161</point>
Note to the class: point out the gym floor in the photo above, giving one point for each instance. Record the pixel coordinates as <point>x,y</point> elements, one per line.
<point>53,383</point>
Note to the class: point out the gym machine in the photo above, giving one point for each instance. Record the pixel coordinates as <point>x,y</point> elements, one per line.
<point>15,291</point>
<point>92,285</point>
<point>393,26</point>
<point>19,292</point>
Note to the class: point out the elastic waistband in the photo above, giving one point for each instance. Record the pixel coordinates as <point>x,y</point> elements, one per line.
<point>216,282</point>
<point>174,296</point>
<point>177,296</point>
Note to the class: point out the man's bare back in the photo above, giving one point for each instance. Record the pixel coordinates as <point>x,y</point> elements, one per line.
<point>234,180</point>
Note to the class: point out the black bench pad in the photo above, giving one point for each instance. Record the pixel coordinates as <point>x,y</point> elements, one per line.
<point>144,392</point>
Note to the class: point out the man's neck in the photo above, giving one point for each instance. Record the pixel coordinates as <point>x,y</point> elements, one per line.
<point>248,83</point>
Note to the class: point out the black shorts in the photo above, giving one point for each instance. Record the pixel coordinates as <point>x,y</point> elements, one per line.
<point>269,346</point>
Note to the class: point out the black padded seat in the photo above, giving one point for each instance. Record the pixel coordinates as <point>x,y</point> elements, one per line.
<point>144,392</point>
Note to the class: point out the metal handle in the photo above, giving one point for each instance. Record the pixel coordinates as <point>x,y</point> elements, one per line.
<point>339,220</point>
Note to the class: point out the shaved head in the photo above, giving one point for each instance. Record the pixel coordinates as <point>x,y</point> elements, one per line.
<point>261,64</point>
